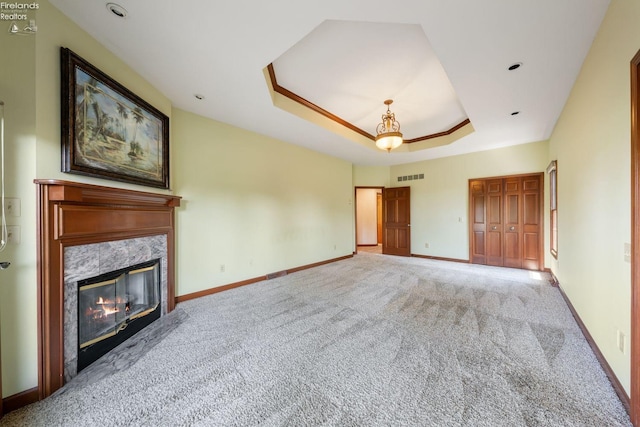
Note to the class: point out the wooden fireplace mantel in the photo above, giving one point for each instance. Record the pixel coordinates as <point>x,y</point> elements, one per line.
<point>69,214</point>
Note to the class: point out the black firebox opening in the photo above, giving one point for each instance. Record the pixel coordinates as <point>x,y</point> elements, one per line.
<point>115,306</point>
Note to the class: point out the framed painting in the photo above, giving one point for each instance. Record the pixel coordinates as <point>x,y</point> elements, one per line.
<point>108,131</point>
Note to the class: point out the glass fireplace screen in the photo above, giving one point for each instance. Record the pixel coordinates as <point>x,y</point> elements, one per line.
<point>106,304</point>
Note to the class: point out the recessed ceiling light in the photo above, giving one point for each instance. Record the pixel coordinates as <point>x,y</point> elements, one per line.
<point>199,97</point>
<point>515,66</point>
<point>515,113</point>
<point>117,10</point>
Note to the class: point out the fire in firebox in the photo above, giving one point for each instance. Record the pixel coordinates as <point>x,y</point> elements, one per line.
<point>112,302</point>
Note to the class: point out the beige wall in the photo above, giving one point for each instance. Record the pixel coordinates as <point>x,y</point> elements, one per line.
<point>17,284</point>
<point>439,202</point>
<point>591,142</point>
<point>371,176</point>
<point>254,204</point>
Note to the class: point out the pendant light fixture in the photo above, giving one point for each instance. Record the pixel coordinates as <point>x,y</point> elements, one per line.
<point>389,136</point>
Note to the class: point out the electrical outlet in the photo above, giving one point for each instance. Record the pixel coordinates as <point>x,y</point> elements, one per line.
<point>13,234</point>
<point>222,268</point>
<point>12,206</point>
<point>621,341</point>
<point>426,245</point>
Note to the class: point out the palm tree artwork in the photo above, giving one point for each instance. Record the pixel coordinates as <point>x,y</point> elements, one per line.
<point>136,149</point>
<point>115,133</point>
<point>122,111</point>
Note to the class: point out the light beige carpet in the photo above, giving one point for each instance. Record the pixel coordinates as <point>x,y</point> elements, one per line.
<point>369,341</point>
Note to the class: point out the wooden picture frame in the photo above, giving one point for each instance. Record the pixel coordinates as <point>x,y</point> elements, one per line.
<point>108,131</point>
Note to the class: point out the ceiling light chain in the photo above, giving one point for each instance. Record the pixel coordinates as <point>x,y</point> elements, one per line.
<point>388,131</point>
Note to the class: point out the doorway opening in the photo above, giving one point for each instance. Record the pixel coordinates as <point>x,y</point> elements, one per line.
<point>392,225</point>
<point>369,219</point>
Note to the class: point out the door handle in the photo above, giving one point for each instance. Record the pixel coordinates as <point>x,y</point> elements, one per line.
<point>494,228</point>
<point>512,228</point>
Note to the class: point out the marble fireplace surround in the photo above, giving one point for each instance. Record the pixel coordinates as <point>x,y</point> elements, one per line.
<point>84,229</point>
<point>86,261</point>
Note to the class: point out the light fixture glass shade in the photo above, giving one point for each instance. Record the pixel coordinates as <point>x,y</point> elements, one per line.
<point>389,136</point>
<point>388,141</point>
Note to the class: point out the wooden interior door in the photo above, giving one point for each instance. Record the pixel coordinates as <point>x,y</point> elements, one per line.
<point>506,221</point>
<point>494,222</point>
<point>512,222</point>
<point>478,222</point>
<point>532,223</point>
<point>396,217</point>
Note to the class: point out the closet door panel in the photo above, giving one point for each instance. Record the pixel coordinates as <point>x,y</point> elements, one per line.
<point>532,223</point>
<point>494,222</point>
<point>513,220</point>
<point>506,221</point>
<point>478,226</point>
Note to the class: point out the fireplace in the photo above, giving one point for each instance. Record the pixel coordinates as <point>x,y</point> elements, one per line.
<point>114,306</point>
<point>87,235</point>
<point>93,264</point>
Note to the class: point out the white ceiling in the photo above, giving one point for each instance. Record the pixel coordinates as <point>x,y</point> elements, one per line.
<point>349,68</point>
<point>219,50</point>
